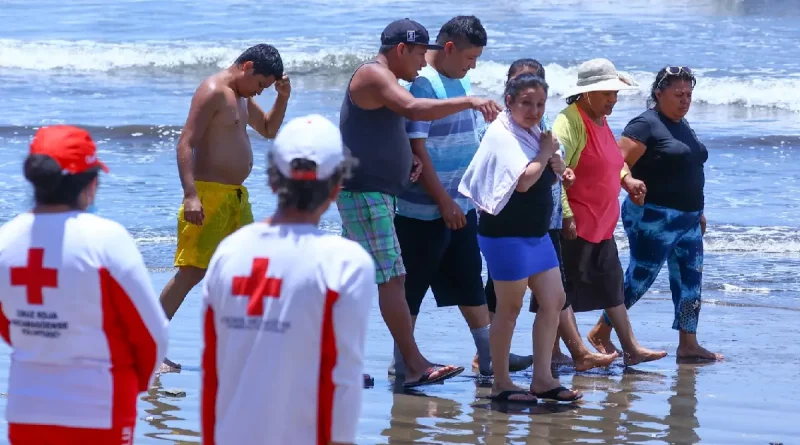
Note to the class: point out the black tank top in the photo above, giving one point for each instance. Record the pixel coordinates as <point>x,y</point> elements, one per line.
<point>378,139</point>
<point>527,214</point>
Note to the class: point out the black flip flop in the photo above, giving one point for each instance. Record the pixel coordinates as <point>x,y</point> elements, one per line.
<point>504,397</point>
<point>427,380</point>
<point>553,395</point>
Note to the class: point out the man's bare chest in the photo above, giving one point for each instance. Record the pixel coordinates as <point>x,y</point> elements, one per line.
<point>234,114</point>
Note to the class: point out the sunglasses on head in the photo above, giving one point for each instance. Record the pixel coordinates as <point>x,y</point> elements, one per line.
<point>677,71</point>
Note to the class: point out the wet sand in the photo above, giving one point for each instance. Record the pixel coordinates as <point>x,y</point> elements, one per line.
<point>750,398</point>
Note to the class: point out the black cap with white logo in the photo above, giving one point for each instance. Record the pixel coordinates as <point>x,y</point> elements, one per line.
<point>406,31</point>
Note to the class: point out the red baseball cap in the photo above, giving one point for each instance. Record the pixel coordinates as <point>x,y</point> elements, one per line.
<point>72,147</point>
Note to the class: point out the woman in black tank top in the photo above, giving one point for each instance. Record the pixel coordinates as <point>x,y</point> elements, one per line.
<point>517,247</point>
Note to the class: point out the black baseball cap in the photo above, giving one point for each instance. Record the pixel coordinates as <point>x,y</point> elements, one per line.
<point>407,31</point>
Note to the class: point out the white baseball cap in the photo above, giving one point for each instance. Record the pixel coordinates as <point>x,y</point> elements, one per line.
<point>313,138</point>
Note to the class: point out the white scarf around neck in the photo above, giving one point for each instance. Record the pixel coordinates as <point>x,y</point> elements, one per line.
<point>504,153</point>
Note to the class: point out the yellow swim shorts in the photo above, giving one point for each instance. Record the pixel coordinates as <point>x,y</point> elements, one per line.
<point>226,208</point>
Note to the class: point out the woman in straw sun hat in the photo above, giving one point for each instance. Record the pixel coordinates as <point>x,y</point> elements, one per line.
<point>592,269</point>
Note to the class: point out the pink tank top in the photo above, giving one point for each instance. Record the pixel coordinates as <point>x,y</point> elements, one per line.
<point>594,197</point>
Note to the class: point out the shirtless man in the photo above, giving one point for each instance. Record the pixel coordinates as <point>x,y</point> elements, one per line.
<point>214,160</point>
<point>373,125</point>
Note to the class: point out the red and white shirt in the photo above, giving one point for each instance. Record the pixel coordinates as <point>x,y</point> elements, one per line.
<point>285,318</point>
<point>78,309</point>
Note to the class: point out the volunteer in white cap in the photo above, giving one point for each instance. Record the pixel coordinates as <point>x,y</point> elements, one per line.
<point>286,308</point>
<point>76,305</point>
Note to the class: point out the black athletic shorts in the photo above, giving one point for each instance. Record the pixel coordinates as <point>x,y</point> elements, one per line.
<point>491,296</point>
<point>447,261</point>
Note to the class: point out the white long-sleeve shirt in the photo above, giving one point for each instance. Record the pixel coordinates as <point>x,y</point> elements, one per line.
<point>79,311</point>
<point>285,317</point>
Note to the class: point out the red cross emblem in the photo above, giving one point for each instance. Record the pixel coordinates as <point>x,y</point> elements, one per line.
<point>257,286</point>
<point>34,277</point>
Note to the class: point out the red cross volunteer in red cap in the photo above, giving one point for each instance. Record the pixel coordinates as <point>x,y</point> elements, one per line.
<point>71,147</point>
<point>76,305</point>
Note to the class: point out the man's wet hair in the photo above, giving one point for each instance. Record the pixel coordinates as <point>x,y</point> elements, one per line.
<point>464,31</point>
<point>51,185</point>
<point>522,82</point>
<point>305,195</point>
<point>522,64</point>
<point>266,60</point>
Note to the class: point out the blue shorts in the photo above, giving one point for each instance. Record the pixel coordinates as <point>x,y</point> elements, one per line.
<point>514,258</point>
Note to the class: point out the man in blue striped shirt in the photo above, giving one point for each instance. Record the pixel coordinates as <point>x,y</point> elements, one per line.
<point>436,226</point>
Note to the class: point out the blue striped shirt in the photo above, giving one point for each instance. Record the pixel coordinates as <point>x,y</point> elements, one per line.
<point>451,143</point>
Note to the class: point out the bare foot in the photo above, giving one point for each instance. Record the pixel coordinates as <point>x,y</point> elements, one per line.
<point>560,359</point>
<point>593,360</point>
<point>697,353</point>
<point>642,355</point>
<point>475,364</point>
<point>600,338</point>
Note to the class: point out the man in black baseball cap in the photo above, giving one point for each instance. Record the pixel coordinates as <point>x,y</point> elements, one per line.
<point>408,32</point>
<point>373,126</point>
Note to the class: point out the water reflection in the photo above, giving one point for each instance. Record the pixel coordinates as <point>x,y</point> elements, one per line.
<point>161,413</point>
<point>682,423</point>
<point>622,406</point>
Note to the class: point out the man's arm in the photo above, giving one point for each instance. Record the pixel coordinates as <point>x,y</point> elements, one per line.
<point>267,125</point>
<point>204,105</point>
<point>378,84</point>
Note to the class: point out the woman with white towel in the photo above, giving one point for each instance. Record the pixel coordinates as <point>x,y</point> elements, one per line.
<point>510,180</point>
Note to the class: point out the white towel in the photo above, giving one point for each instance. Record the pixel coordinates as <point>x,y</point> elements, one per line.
<point>504,153</point>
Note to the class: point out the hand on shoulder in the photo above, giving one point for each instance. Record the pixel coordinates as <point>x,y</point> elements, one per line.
<point>488,107</point>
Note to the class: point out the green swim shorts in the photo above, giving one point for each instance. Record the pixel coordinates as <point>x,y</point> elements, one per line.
<point>368,219</point>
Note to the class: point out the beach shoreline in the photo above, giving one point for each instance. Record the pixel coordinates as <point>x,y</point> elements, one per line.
<point>731,402</point>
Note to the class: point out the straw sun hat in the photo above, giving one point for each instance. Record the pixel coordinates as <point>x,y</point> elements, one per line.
<point>599,75</point>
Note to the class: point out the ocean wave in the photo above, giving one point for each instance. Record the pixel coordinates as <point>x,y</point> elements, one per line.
<point>730,238</point>
<point>101,133</point>
<point>768,92</point>
<point>310,58</point>
<point>176,57</point>
<point>156,132</point>
<point>722,238</point>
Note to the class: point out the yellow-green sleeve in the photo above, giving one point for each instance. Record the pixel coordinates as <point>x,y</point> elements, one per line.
<point>570,131</point>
